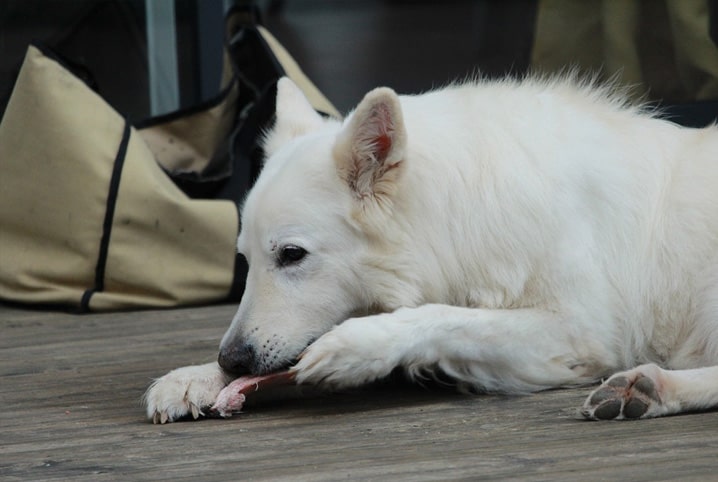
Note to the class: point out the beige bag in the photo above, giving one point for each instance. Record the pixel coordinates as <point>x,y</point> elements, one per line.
<point>88,218</point>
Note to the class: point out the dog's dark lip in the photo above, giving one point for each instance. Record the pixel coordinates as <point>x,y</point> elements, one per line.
<point>287,366</point>
<point>309,343</point>
<point>229,374</point>
<point>290,364</point>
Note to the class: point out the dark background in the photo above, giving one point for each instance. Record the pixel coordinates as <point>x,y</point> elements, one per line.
<point>346,47</point>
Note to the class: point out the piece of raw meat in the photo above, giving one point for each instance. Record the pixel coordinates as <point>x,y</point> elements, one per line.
<point>233,396</point>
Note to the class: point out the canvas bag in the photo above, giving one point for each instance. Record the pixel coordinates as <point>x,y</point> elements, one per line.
<point>96,214</point>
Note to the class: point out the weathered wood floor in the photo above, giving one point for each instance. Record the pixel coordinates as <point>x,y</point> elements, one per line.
<point>70,388</point>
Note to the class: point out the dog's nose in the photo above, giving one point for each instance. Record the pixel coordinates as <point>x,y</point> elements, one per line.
<point>237,360</point>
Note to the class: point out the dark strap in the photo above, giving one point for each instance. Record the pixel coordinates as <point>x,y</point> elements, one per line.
<point>107,223</point>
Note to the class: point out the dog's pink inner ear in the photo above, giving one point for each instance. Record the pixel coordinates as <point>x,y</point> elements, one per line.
<point>383,143</point>
<point>372,145</point>
<point>377,130</point>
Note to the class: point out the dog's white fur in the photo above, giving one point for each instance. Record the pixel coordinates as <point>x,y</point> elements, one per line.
<point>514,235</point>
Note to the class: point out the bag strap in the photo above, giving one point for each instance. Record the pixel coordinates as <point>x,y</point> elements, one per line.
<point>99,284</point>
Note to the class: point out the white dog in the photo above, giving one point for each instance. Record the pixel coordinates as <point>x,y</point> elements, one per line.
<point>513,235</point>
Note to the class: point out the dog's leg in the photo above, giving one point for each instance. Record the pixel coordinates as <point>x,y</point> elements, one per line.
<point>184,391</point>
<point>650,391</point>
<point>511,351</point>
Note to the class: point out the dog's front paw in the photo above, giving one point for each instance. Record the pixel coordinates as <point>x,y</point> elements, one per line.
<point>184,391</point>
<point>354,353</point>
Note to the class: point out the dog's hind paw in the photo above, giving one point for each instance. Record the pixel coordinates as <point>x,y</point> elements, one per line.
<point>183,392</point>
<point>628,395</point>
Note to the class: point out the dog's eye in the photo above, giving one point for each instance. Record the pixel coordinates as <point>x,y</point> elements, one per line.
<point>291,254</point>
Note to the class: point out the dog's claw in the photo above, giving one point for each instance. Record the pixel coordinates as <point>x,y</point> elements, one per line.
<point>196,412</point>
<point>163,418</point>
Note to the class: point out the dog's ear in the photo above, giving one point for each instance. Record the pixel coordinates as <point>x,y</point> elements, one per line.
<point>295,116</point>
<point>370,149</point>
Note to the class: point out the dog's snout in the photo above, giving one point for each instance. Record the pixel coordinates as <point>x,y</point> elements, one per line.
<point>237,360</point>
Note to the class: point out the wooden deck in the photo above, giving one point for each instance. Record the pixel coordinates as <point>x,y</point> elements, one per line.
<point>70,388</point>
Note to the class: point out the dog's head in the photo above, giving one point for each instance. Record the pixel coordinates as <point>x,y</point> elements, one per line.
<point>312,228</point>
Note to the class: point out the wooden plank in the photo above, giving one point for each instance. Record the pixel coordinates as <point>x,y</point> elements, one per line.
<point>70,387</point>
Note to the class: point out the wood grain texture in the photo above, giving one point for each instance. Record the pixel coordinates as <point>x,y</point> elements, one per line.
<point>70,387</point>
